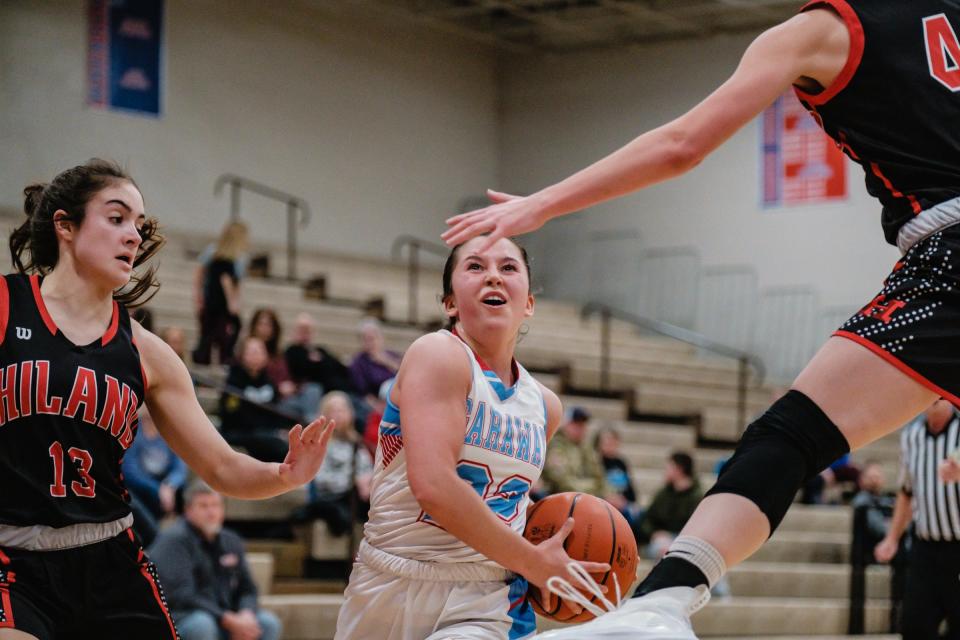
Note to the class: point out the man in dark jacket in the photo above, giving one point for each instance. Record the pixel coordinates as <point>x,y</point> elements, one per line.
<point>205,575</point>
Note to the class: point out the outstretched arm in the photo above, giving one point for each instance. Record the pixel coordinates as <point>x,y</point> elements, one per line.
<point>810,48</point>
<point>183,424</point>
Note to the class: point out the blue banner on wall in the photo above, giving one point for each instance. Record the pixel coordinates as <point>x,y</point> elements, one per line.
<point>124,54</point>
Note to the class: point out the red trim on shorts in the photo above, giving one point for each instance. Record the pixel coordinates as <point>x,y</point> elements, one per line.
<point>156,594</point>
<point>114,323</point>
<point>853,57</point>
<point>899,364</point>
<point>4,307</point>
<point>7,607</point>
<point>41,307</point>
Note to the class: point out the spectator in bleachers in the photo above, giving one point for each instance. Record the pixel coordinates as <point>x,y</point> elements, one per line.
<point>217,296</point>
<point>153,475</point>
<point>343,482</point>
<point>622,496</point>
<point>311,363</point>
<point>842,471</point>
<point>299,399</point>
<point>928,499</point>
<point>205,575</point>
<point>176,338</point>
<point>572,464</point>
<point>671,507</point>
<point>374,364</point>
<point>242,421</point>
<point>877,503</point>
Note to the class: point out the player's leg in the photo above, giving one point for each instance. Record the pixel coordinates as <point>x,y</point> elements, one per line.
<point>30,605</point>
<point>486,611</point>
<point>127,599</point>
<point>795,438</point>
<point>861,394</point>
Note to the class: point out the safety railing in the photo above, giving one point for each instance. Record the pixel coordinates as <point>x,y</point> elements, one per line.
<point>745,361</point>
<point>298,211</point>
<point>414,246</point>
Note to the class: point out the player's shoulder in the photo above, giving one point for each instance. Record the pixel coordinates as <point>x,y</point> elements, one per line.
<point>552,405</point>
<point>439,353</point>
<point>157,357</point>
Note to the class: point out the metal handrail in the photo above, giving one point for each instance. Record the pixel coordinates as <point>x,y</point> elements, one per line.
<point>295,205</point>
<point>414,245</point>
<point>209,381</point>
<point>744,359</point>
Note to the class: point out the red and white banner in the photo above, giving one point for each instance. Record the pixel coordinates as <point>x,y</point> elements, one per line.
<point>800,163</point>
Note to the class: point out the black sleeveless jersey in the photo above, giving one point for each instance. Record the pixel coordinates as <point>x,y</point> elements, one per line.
<point>895,107</point>
<point>67,413</point>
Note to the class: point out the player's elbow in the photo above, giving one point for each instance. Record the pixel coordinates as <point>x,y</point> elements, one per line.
<point>427,489</point>
<point>681,153</point>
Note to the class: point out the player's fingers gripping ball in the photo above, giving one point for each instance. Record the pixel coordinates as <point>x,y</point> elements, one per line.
<point>600,534</point>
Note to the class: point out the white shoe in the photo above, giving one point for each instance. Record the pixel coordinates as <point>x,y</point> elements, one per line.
<point>660,615</point>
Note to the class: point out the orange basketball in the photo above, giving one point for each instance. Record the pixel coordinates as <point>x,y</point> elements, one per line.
<point>600,534</point>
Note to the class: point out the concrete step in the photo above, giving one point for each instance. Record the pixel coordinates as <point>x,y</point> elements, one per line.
<point>261,570</point>
<point>288,557</point>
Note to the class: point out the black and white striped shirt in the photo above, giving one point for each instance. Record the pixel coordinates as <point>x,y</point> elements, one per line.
<point>936,505</point>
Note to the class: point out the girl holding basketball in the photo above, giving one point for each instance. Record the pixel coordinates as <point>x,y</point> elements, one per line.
<point>849,62</point>
<point>463,438</point>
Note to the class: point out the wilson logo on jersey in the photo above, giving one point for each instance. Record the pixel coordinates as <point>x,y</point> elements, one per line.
<point>20,397</point>
<point>943,51</point>
<point>23,333</point>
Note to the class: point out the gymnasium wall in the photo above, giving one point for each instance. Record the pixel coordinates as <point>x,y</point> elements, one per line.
<point>561,112</point>
<point>381,129</point>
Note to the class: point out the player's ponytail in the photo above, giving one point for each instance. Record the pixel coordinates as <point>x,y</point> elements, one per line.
<point>34,247</point>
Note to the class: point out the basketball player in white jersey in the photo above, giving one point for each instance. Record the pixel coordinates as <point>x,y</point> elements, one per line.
<point>463,438</point>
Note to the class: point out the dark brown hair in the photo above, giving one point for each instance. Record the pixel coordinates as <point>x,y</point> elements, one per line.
<point>34,247</point>
<point>274,342</point>
<point>451,263</point>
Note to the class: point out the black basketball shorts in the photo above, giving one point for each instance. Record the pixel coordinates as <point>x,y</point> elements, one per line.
<point>914,322</point>
<point>103,590</point>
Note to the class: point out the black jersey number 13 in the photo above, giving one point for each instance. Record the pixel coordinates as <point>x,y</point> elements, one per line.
<point>81,458</point>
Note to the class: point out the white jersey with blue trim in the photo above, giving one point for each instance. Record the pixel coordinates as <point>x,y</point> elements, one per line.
<point>504,446</point>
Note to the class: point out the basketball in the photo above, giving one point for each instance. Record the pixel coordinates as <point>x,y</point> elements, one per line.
<point>600,534</point>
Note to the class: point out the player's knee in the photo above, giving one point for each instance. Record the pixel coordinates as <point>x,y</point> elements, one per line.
<point>198,625</point>
<point>794,440</point>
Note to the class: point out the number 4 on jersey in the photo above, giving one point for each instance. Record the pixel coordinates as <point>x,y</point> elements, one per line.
<point>943,51</point>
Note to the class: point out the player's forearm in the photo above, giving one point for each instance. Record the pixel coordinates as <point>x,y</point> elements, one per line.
<point>452,504</point>
<point>240,476</point>
<point>653,157</point>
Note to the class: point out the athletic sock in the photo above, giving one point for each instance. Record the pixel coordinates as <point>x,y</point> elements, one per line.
<point>689,562</point>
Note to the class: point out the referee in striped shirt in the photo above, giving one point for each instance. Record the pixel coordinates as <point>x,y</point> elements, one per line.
<point>929,496</point>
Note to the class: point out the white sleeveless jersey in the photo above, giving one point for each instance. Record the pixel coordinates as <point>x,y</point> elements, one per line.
<point>504,446</point>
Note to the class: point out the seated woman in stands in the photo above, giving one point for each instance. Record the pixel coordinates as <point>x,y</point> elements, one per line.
<point>299,399</point>
<point>244,421</point>
<point>340,492</point>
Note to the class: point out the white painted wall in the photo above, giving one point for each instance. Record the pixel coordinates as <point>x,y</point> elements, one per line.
<point>561,112</point>
<point>381,130</point>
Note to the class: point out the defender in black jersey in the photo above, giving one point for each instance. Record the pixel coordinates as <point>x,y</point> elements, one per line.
<point>74,369</point>
<point>883,79</point>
